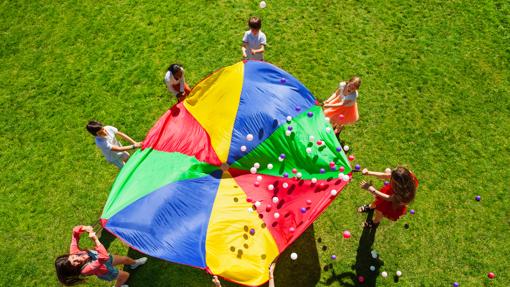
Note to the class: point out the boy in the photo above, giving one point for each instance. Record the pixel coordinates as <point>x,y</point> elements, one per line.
<point>254,40</point>
<point>112,150</point>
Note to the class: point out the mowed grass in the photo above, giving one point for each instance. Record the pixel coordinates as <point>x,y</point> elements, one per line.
<point>435,96</point>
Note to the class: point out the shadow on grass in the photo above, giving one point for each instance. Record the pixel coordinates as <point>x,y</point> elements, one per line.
<point>364,260</point>
<point>305,271</point>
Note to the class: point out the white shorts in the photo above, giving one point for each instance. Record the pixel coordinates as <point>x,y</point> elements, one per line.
<point>120,159</point>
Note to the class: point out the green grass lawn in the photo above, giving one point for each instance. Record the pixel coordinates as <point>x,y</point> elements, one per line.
<point>435,96</point>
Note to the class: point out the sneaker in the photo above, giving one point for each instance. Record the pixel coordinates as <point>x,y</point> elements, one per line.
<point>138,262</point>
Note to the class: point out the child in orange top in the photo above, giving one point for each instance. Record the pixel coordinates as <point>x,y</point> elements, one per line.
<point>78,262</point>
<point>341,107</point>
<point>392,200</point>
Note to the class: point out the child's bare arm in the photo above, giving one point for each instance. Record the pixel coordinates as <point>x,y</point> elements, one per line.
<point>367,186</point>
<point>380,175</point>
<point>126,137</point>
<point>243,48</point>
<point>126,148</point>
<point>259,50</point>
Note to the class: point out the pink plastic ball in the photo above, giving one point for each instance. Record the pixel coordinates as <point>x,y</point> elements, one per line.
<point>346,234</point>
<point>341,169</point>
<point>491,275</point>
<point>351,158</point>
<point>292,229</point>
<point>341,116</point>
<point>308,201</point>
<point>361,279</point>
<point>294,170</point>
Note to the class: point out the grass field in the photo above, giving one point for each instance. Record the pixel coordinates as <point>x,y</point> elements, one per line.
<point>435,96</point>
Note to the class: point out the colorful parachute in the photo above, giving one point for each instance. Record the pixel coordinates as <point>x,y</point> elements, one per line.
<point>228,179</point>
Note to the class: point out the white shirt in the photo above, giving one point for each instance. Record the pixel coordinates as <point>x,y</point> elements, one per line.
<point>254,42</point>
<point>170,81</point>
<point>106,143</point>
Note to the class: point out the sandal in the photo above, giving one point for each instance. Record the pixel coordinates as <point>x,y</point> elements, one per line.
<point>364,208</point>
<point>370,224</point>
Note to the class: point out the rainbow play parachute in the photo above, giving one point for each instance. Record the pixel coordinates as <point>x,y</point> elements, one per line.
<point>229,178</point>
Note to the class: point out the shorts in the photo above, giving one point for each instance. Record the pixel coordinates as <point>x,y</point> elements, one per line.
<point>113,272</point>
<point>120,159</point>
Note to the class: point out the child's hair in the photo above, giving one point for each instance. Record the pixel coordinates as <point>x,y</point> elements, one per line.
<point>403,184</point>
<point>67,274</point>
<point>356,80</point>
<point>173,68</point>
<point>255,23</point>
<point>94,126</point>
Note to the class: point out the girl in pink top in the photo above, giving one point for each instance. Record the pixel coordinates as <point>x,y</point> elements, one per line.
<point>71,267</point>
<point>341,108</point>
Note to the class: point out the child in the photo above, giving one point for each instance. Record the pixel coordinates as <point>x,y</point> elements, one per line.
<point>392,200</point>
<point>175,82</point>
<point>71,267</point>
<point>254,41</point>
<point>217,282</point>
<point>112,150</point>
<point>341,107</point>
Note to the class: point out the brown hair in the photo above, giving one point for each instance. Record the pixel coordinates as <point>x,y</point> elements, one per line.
<point>93,127</point>
<point>67,274</point>
<point>255,23</point>
<point>403,184</point>
<point>356,80</point>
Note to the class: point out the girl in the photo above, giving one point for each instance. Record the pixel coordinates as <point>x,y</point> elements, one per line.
<point>392,200</point>
<point>175,83</point>
<point>341,107</point>
<point>78,262</point>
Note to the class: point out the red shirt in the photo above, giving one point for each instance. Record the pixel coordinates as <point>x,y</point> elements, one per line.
<point>93,267</point>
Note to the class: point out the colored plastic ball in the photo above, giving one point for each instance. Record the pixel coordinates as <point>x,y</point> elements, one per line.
<point>351,157</point>
<point>333,256</point>
<point>275,199</point>
<point>286,175</point>
<point>280,159</point>
<point>282,155</point>
<point>314,180</point>
<point>333,168</point>
<point>289,118</point>
<point>292,229</point>
<point>357,167</point>
<point>294,170</point>
<point>372,268</point>
<point>283,80</point>
<point>328,129</point>
<point>256,183</point>
<point>276,215</point>
<point>249,137</point>
<point>256,165</point>
<point>269,166</point>
<point>310,114</point>
<point>308,201</point>
<point>491,275</point>
<point>243,148</point>
<point>327,119</point>
<point>290,128</point>
<point>299,175</point>
<point>311,138</point>
<point>252,231</point>
<point>308,150</point>
<point>341,116</point>
<point>331,163</point>
<point>386,182</point>
<point>346,234</point>
<point>259,178</point>
<point>319,142</point>
<point>478,198</point>
<point>268,207</point>
<point>262,4</point>
<point>345,177</point>
<point>333,192</point>
<point>338,149</point>
<point>346,148</point>
<point>455,284</point>
<point>288,133</point>
<point>253,170</point>
<point>398,273</point>
<point>285,185</point>
<point>412,211</point>
<point>270,187</point>
<point>374,254</point>
<point>303,209</point>
<point>341,169</point>
<point>322,170</point>
<point>298,108</point>
<point>293,256</point>
<point>361,279</point>
<point>384,274</point>
<point>257,203</point>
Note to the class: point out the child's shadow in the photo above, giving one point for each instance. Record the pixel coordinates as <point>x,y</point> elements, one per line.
<point>364,260</point>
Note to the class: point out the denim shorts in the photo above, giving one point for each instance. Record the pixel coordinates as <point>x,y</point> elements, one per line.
<point>113,272</point>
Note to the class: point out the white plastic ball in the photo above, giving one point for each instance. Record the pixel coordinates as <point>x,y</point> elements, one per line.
<point>345,177</point>
<point>285,185</point>
<point>372,268</point>
<point>399,273</point>
<point>308,150</point>
<point>341,175</point>
<point>374,254</point>
<point>288,133</point>
<point>289,118</point>
<point>311,138</point>
<point>280,159</point>
<point>269,166</point>
<point>257,203</point>
<point>253,170</point>
<point>314,180</point>
<point>328,129</point>
<point>259,178</point>
<point>270,187</point>
<point>293,256</point>
<point>299,175</point>
<point>327,119</point>
<point>276,215</point>
<point>243,148</point>
<point>384,274</point>
<point>249,137</point>
<point>275,199</point>
<point>333,192</point>
<point>256,165</point>
<point>262,4</point>
<point>346,148</point>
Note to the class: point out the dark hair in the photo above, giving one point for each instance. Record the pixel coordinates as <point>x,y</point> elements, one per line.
<point>94,126</point>
<point>403,184</point>
<point>173,68</point>
<point>255,23</point>
<point>67,274</point>
<point>355,79</point>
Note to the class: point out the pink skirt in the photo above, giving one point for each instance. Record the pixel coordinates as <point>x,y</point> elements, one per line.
<point>343,115</point>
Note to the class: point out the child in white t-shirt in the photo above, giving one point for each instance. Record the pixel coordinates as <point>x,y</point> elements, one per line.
<point>254,41</point>
<point>175,82</point>
<point>106,141</point>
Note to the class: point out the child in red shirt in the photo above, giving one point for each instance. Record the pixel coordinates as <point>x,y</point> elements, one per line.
<point>392,200</point>
<point>78,262</point>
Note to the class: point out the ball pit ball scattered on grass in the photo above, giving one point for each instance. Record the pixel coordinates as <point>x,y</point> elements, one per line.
<point>282,155</point>
<point>319,142</point>
<point>412,211</point>
<point>398,273</point>
<point>372,268</point>
<point>333,256</point>
<point>491,275</point>
<point>357,167</point>
<point>455,284</point>
<point>328,130</point>
<point>384,274</point>
<point>361,279</point>
<point>351,157</point>
<point>263,5</point>
<point>478,198</point>
<point>346,234</point>
<point>374,254</point>
<point>249,137</point>
<point>293,256</point>
<point>346,148</point>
